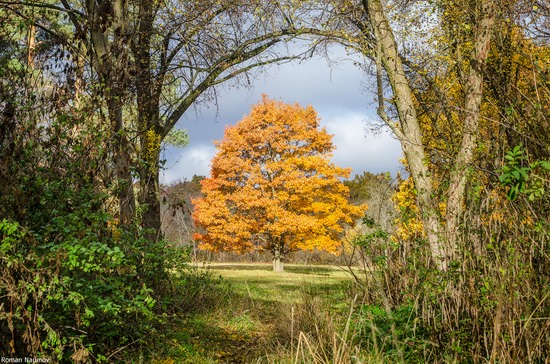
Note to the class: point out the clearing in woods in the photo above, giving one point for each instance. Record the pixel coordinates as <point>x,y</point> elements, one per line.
<point>255,317</point>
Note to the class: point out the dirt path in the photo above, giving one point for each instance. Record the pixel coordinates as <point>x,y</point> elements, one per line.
<point>229,346</point>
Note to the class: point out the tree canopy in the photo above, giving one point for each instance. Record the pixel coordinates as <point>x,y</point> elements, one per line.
<point>273,187</point>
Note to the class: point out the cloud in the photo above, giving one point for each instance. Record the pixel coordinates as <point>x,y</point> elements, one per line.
<point>355,148</point>
<point>184,163</point>
<point>338,94</point>
<point>359,149</point>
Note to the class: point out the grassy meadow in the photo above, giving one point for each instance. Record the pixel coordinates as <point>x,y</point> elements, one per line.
<point>265,317</point>
<point>259,281</point>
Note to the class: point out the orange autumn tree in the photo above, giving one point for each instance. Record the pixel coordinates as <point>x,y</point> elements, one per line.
<point>273,187</point>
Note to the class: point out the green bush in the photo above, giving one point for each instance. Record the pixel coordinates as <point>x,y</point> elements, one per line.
<point>69,287</point>
<point>77,287</point>
<point>396,333</point>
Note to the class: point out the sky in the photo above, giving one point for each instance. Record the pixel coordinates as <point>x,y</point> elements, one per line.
<point>338,92</point>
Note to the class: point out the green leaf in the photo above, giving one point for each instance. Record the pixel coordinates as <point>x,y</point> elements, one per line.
<point>178,138</point>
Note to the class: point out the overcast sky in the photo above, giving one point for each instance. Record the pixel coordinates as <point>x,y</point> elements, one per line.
<point>339,94</point>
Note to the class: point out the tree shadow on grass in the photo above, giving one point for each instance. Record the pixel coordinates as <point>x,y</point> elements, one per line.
<point>262,267</point>
<point>309,269</point>
<point>298,269</point>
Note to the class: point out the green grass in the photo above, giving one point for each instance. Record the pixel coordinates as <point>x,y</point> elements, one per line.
<point>259,282</point>
<point>255,314</point>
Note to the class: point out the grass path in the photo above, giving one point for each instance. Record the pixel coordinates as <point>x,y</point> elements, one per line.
<point>255,313</point>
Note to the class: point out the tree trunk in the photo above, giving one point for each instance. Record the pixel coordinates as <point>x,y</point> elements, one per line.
<point>278,265</point>
<point>149,200</point>
<point>110,62</point>
<point>470,128</point>
<point>278,255</point>
<point>148,99</point>
<point>31,45</point>
<point>122,161</point>
<point>408,129</point>
<point>79,77</point>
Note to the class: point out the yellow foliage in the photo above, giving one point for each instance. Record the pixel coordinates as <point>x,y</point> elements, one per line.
<point>151,147</point>
<point>441,116</point>
<point>409,226</point>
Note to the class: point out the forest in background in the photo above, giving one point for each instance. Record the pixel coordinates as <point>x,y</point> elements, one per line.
<point>455,255</point>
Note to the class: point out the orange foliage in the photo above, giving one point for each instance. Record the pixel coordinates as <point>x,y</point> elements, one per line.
<point>272,185</point>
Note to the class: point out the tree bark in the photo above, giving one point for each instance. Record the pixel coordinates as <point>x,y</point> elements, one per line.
<point>110,62</point>
<point>122,160</point>
<point>278,255</point>
<point>408,129</point>
<point>278,265</point>
<point>149,200</point>
<point>31,45</point>
<point>470,128</point>
<point>148,100</point>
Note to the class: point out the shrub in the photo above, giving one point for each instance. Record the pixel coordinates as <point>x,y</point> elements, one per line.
<point>69,286</point>
<point>396,333</point>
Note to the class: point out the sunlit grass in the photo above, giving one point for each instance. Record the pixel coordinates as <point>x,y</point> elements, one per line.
<point>259,282</point>
<point>259,305</point>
